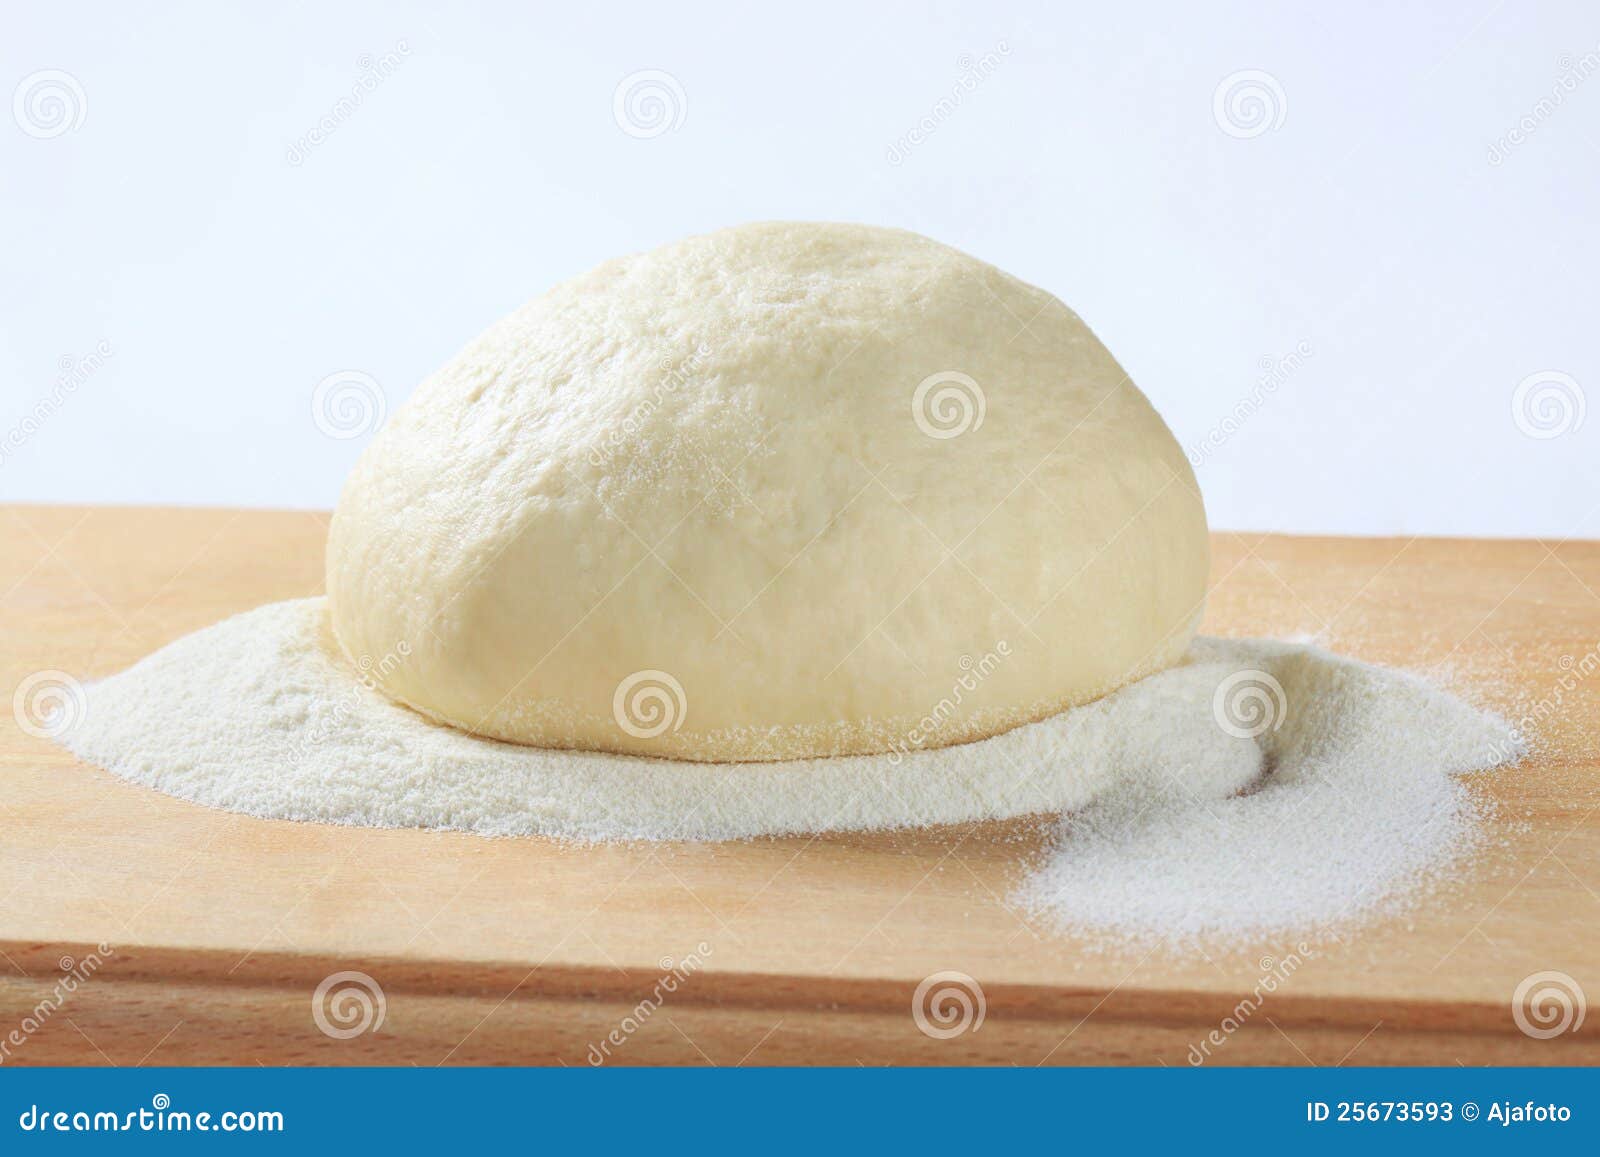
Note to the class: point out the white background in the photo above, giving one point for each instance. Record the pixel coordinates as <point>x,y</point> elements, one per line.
<point>1428,277</point>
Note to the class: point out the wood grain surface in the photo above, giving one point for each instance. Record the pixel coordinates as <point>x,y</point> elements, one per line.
<point>217,929</point>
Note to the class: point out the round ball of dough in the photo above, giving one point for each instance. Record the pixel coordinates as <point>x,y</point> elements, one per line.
<point>784,490</point>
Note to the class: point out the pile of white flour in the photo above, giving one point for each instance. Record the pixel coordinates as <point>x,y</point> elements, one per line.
<point>1358,807</point>
<point>1257,787</point>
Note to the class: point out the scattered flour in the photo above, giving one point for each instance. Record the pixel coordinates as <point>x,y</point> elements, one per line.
<point>1358,808</point>
<point>1258,786</point>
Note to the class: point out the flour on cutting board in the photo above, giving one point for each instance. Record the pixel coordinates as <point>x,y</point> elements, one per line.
<point>1256,787</point>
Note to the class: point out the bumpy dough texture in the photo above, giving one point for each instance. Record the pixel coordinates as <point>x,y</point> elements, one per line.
<point>726,500</point>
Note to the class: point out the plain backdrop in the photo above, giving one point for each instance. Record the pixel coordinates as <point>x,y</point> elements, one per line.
<point>200,222</point>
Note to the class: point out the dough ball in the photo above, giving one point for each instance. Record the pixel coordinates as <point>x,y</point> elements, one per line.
<point>783,490</point>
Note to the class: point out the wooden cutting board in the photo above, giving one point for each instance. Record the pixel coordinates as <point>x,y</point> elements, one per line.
<point>219,928</point>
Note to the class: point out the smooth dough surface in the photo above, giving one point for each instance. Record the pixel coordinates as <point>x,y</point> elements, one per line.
<point>784,490</point>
